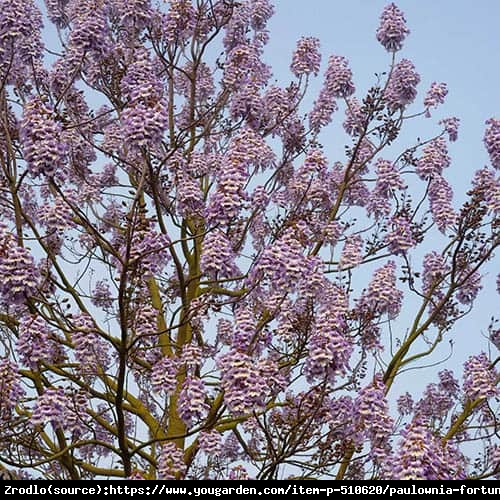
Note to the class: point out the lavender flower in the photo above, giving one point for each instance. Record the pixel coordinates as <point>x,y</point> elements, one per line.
<point>43,148</point>
<point>392,30</point>
<point>492,141</point>
<point>433,160</point>
<point>170,462</point>
<point>440,198</point>
<point>306,58</point>
<point>451,127</point>
<point>402,87</point>
<point>480,378</point>
<point>51,408</point>
<point>435,95</point>
<point>191,403</point>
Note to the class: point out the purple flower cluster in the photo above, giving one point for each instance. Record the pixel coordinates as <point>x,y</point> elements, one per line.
<point>33,344</point>
<point>492,141</point>
<point>90,350</point>
<point>20,39</point>
<point>392,30</point>
<point>337,84</point>
<point>470,286</point>
<point>306,59</point>
<point>43,149</point>
<point>163,375</point>
<point>433,160</point>
<point>245,390</point>
<point>421,455</point>
<point>329,349</point>
<point>487,184</point>
<point>11,390</point>
<point>101,295</point>
<point>435,95</point>
<point>400,238</point>
<point>352,253</point>
<point>218,258</point>
<point>382,296</point>
<point>372,413</point>
<point>451,127</point>
<point>435,268</point>
<point>171,462</point>
<point>480,378</point>
<point>440,200</point>
<point>401,89</point>
<point>51,407</point>
<point>355,117</point>
<point>210,442</point>
<point>191,403</point>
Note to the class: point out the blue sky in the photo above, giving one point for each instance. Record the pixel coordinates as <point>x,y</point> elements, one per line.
<point>452,41</point>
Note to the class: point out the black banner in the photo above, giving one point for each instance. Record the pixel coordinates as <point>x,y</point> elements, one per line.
<point>207,489</point>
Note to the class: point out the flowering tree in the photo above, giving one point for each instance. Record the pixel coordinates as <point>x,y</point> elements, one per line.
<point>189,288</point>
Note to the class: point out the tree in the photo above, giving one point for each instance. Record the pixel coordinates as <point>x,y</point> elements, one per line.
<point>190,288</point>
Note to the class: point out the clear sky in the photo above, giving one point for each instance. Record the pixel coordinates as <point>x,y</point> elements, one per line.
<point>452,41</point>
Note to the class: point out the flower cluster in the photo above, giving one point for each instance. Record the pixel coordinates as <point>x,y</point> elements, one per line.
<point>480,378</point>
<point>451,127</point>
<point>421,455</point>
<point>306,59</point>
<point>210,442</point>
<point>400,238</point>
<point>191,403</point>
<point>245,390</point>
<point>337,84</point>
<point>352,253</point>
<point>10,388</point>
<point>382,296</point>
<point>218,258</point>
<point>171,462</point>
<point>401,89</point>
<point>492,141</point>
<point>34,344</point>
<point>433,160</point>
<point>487,184</point>
<point>440,201</point>
<point>372,413</point>
<point>392,30</point>
<point>435,95</point>
<point>163,375</point>
<point>20,39</point>
<point>51,407</point>
<point>329,349</point>
<point>90,350</point>
<point>43,149</point>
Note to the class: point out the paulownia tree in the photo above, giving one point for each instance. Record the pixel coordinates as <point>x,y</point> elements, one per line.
<point>189,288</point>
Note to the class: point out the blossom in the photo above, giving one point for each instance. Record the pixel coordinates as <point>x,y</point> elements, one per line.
<point>392,30</point>
<point>421,455</point>
<point>440,198</point>
<point>34,342</point>
<point>329,348</point>
<point>191,403</point>
<point>451,127</point>
<point>90,349</point>
<point>382,296</point>
<point>480,378</point>
<point>433,160</point>
<point>435,95</point>
<point>20,39</point>
<point>170,462</point>
<point>210,442</point>
<point>400,238</point>
<point>11,390</point>
<point>492,141</point>
<point>218,258</point>
<point>51,407</point>
<point>372,412</point>
<point>352,253</point>
<point>486,184</point>
<point>163,375</point>
<point>306,58</point>
<point>401,89</point>
<point>245,390</point>
<point>41,131</point>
